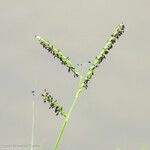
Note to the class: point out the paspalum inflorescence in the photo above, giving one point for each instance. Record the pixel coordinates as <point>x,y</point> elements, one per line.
<point>109,45</point>
<point>53,103</point>
<point>57,53</point>
<point>84,80</point>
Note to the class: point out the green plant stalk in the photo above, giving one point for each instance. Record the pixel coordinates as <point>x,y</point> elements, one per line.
<point>69,113</point>
<point>84,80</point>
<point>33,124</point>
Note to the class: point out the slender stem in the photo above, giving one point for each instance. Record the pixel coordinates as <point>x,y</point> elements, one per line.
<point>60,135</point>
<point>33,121</point>
<point>69,113</point>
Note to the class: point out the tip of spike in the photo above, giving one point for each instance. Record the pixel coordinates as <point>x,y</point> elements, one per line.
<point>122,26</point>
<point>37,37</point>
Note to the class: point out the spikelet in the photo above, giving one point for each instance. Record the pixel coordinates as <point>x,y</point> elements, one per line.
<point>56,53</point>
<point>109,45</point>
<point>53,104</point>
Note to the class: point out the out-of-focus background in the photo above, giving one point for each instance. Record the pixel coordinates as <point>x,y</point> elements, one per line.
<point>113,112</point>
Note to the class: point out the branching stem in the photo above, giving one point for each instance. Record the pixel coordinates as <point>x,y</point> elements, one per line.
<point>80,88</point>
<point>84,80</point>
<point>83,84</point>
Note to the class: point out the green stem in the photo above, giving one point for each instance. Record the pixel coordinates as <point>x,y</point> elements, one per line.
<point>68,115</point>
<point>60,135</point>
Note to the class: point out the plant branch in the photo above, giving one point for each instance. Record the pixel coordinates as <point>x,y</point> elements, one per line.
<point>68,115</point>
<point>83,81</point>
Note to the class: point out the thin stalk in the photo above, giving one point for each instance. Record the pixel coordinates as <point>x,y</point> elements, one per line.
<point>33,122</point>
<point>60,135</point>
<point>69,113</point>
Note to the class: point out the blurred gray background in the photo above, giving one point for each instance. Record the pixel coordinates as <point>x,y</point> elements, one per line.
<point>113,112</point>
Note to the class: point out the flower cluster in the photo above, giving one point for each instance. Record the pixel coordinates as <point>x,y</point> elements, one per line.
<point>56,53</point>
<point>117,33</point>
<point>53,104</point>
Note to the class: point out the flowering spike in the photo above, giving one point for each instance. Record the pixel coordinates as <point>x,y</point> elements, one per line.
<point>53,105</point>
<point>109,45</point>
<point>64,60</point>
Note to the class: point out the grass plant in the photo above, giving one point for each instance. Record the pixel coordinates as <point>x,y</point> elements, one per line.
<point>84,79</point>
